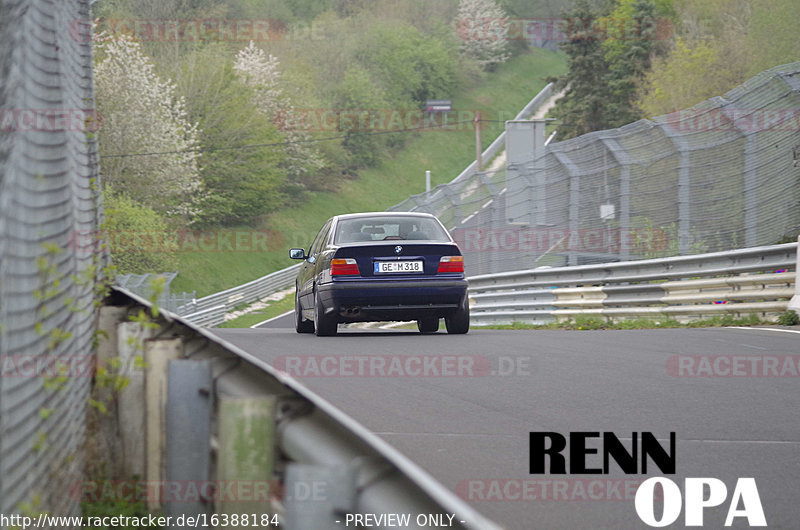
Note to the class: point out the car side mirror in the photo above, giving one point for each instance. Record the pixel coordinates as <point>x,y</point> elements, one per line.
<point>297,253</point>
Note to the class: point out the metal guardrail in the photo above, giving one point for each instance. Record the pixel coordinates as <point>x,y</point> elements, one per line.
<point>736,282</point>
<point>245,438</point>
<point>208,317</point>
<point>211,309</point>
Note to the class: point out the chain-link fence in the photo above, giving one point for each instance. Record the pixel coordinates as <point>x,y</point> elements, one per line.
<point>48,164</point>
<point>146,286</point>
<point>723,174</point>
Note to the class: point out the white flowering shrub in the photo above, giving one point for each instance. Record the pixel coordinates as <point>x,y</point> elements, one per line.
<point>260,72</point>
<point>141,114</point>
<point>481,26</point>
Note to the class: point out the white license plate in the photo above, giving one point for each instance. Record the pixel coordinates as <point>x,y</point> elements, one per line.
<point>398,266</point>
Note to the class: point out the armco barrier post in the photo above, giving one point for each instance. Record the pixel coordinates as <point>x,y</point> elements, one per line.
<point>189,412</point>
<point>794,303</point>
<point>104,443</point>
<point>157,354</point>
<point>246,452</point>
<point>130,340</point>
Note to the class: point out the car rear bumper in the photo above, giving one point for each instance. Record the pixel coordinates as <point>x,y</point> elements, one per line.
<point>395,299</point>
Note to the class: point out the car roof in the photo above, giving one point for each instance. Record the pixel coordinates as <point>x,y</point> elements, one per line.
<point>383,214</point>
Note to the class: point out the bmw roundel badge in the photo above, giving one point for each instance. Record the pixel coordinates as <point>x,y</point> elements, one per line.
<point>398,249</point>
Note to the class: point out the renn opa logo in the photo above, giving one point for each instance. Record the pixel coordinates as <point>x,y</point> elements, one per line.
<point>549,448</point>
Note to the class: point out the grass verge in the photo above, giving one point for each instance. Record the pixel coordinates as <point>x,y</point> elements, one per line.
<point>260,315</point>
<point>590,323</point>
<point>581,323</point>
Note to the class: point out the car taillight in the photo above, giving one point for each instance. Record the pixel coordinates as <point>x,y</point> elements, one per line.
<point>451,264</point>
<point>342,267</point>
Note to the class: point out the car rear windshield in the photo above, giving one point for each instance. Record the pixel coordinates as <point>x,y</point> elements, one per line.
<point>389,228</point>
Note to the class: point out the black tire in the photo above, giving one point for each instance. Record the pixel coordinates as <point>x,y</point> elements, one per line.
<point>324,326</point>
<point>301,325</point>
<point>428,325</point>
<point>458,322</point>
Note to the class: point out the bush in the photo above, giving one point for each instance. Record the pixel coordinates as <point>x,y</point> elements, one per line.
<point>136,236</point>
<point>789,318</point>
<point>408,66</point>
<point>398,69</point>
<point>358,92</point>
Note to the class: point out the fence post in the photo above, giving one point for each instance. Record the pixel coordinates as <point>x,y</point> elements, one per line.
<point>794,303</point>
<point>625,212</point>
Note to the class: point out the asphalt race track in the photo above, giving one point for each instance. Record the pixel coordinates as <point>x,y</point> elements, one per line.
<point>470,427</point>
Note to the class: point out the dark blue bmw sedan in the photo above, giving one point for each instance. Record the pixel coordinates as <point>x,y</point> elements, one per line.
<point>381,266</point>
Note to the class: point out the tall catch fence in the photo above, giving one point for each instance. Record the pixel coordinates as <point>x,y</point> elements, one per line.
<point>48,163</point>
<point>721,175</point>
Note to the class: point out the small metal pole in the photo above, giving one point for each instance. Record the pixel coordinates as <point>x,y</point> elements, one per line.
<point>478,150</point>
<point>428,180</point>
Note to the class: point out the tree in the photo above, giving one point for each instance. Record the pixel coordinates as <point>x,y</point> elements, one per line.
<point>357,92</point>
<point>141,114</point>
<point>772,36</point>
<point>259,71</point>
<point>628,55</point>
<point>684,78</point>
<point>721,44</point>
<point>481,26</point>
<point>243,182</point>
<point>585,103</point>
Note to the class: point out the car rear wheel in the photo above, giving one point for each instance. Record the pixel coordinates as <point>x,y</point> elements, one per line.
<point>428,325</point>
<point>458,322</point>
<point>324,325</point>
<point>301,324</point>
